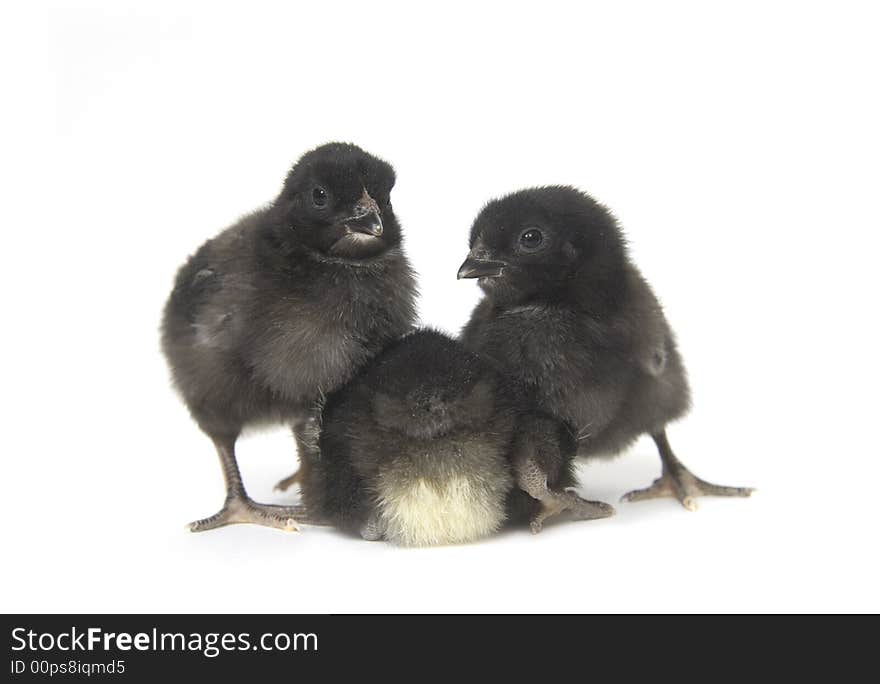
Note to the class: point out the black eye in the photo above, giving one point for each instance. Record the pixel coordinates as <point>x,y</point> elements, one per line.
<point>319,197</point>
<point>531,238</point>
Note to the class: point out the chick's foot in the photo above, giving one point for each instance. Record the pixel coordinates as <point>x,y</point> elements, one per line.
<point>555,503</point>
<point>684,486</point>
<point>532,479</point>
<point>243,510</point>
<point>679,482</point>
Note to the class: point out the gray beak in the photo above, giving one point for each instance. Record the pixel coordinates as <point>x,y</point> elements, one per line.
<point>480,268</point>
<point>365,217</point>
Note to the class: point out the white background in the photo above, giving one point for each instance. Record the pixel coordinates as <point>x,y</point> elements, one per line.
<point>737,143</point>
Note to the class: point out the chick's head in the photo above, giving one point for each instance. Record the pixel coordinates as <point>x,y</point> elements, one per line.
<point>539,242</point>
<point>336,201</point>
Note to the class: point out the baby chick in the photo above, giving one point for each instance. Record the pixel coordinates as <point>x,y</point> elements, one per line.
<point>570,317</point>
<point>285,306</point>
<point>428,445</point>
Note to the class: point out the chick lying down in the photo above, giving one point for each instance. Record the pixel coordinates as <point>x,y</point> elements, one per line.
<point>425,447</point>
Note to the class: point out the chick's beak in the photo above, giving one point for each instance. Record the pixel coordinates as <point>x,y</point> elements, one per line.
<point>365,217</point>
<point>479,265</point>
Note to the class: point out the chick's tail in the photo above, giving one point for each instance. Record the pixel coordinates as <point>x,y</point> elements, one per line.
<point>423,511</point>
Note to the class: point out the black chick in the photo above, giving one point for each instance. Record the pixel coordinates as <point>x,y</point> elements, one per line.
<point>427,446</point>
<point>285,306</point>
<point>569,315</point>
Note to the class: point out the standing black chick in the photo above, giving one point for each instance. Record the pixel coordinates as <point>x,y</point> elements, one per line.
<point>571,317</point>
<point>285,306</point>
<point>427,445</point>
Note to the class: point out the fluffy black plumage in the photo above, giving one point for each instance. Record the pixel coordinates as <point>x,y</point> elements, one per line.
<point>570,317</point>
<point>284,307</point>
<point>429,445</point>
